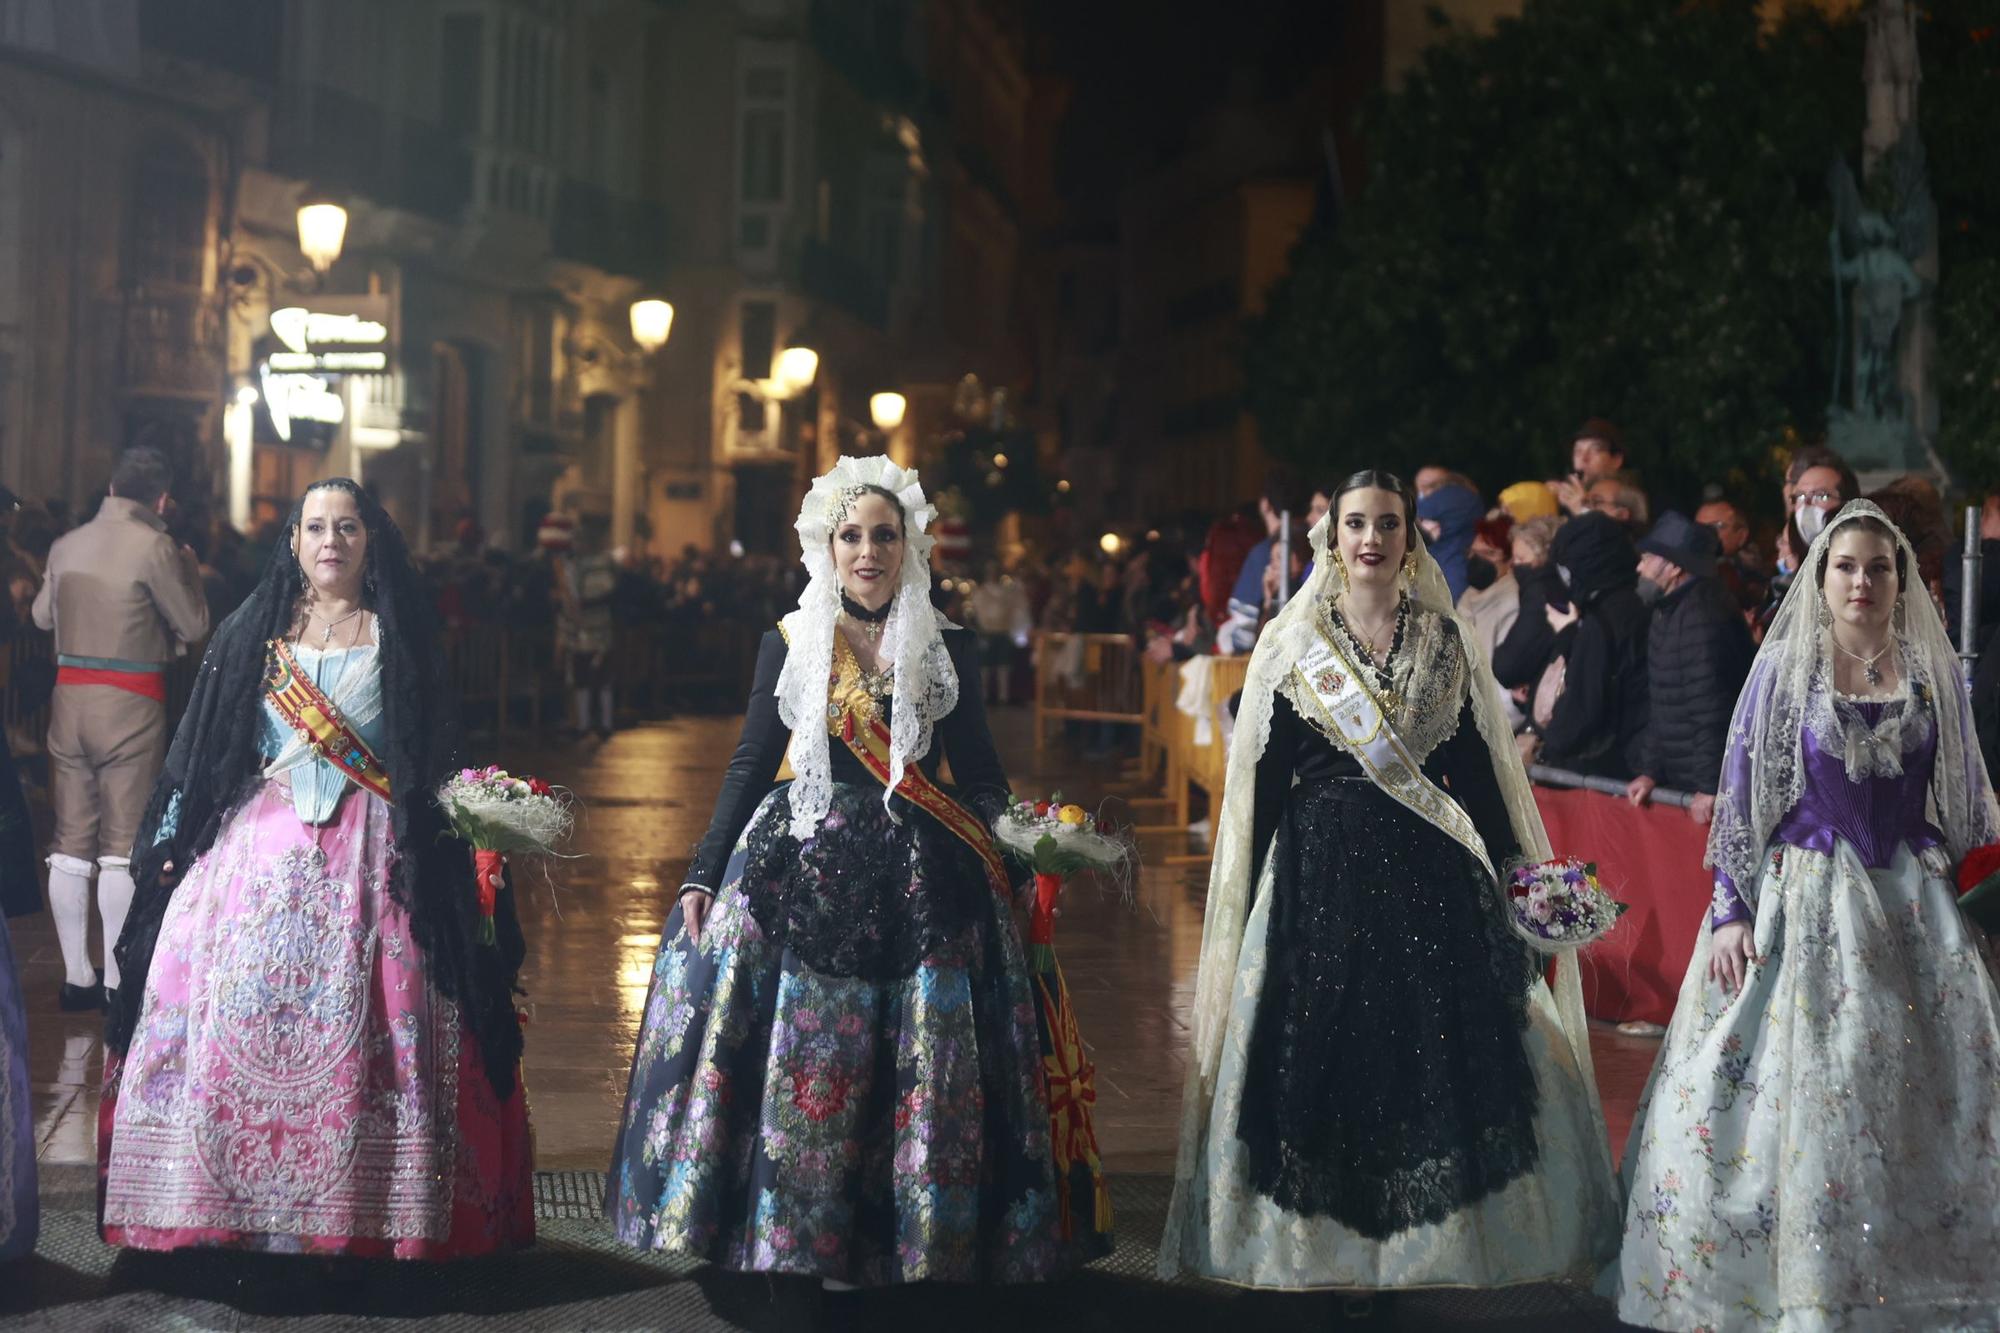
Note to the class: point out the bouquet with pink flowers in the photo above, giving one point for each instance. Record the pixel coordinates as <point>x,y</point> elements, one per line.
<point>1559,906</point>
<point>501,815</point>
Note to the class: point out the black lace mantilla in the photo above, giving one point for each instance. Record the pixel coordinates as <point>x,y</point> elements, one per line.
<point>865,896</point>
<point>1387,1084</point>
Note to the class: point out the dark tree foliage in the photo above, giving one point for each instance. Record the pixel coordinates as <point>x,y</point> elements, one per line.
<point>1604,207</point>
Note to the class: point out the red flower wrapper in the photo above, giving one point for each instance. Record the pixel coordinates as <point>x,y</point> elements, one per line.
<point>1979,886</point>
<point>488,866</point>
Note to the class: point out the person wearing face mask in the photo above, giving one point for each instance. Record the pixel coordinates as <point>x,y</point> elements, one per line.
<point>1448,515</point>
<point>1698,651</point>
<point>1522,653</point>
<point>1815,1144</point>
<point>1491,602</point>
<point>1598,717</point>
<point>839,1074</point>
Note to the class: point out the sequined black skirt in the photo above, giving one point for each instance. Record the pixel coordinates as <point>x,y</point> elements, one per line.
<point>1387,1084</point>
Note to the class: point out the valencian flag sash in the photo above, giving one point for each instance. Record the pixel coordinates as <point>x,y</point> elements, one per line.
<point>319,723</point>
<point>1069,1079</point>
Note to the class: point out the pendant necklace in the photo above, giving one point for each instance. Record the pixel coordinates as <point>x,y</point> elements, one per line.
<point>869,623</point>
<point>1869,671</point>
<point>331,625</point>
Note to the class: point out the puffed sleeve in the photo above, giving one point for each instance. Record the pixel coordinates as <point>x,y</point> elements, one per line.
<point>752,772</point>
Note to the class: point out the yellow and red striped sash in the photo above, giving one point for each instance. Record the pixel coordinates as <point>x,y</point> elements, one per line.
<point>319,723</point>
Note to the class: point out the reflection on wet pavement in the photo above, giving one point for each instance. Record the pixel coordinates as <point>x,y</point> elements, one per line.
<point>594,923</point>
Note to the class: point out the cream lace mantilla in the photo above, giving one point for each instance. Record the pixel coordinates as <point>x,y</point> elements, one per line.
<point>1429,677</point>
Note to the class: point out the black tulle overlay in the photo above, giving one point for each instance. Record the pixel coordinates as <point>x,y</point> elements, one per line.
<point>1387,1084</point>
<point>865,896</point>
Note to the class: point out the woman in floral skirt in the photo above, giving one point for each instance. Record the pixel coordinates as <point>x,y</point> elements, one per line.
<point>839,1073</point>
<point>316,1049</point>
<point>1816,1149</point>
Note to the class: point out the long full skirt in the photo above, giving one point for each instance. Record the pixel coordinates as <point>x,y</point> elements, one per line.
<point>19,1215</point>
<point>1821,1151</point>
<point>1396,1104</point>
<point>842,1079</point>
<point>294,1083</point>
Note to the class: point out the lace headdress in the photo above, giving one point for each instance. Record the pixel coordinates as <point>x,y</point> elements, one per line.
<point>925,684</point>
<point>1762,778</point>
<point>1283,642</point>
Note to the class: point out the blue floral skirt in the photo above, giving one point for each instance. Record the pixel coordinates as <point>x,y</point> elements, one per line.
<point>878,1126</point>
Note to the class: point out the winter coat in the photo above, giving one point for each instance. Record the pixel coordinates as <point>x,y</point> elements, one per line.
<point>1599,722</point>
<point>1698,655</point>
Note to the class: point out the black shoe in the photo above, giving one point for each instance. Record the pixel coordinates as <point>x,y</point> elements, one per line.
<point>77,999</point>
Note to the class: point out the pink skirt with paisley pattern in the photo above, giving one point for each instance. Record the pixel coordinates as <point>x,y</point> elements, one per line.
<point>294,1084</point>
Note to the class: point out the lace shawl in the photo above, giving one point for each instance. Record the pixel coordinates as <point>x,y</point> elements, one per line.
<point>926,687</point>
<point>1283,642</point>
<point>1789,690</point>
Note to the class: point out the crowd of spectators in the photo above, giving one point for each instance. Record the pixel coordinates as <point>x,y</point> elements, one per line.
<point>1621,629</point>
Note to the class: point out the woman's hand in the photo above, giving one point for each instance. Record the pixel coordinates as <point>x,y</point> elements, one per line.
<point>1561,619</point>
<point>694,910</point>
<point>170,875</point>
<point>1730,955</point>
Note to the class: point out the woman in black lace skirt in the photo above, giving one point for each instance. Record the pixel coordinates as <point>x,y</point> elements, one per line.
<point>1385,1092</point>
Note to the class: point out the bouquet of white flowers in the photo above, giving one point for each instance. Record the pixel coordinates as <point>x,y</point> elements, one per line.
<point>501,815</point>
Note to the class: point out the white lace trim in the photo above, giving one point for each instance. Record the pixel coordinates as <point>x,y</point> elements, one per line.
<point>926,686</point>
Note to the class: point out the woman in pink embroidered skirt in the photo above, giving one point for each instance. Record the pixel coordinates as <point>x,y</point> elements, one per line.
<point>313,1052</point>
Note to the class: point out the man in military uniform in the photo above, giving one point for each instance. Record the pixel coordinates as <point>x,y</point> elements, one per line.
<point>123,599</point>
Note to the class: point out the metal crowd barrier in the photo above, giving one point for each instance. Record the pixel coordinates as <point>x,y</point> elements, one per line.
<point>1563,777</point>
<point>1086,678</point>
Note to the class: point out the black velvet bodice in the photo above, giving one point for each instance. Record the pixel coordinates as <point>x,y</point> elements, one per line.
<point>963,739</point>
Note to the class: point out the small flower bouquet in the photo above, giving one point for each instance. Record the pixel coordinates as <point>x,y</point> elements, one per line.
<point>1055,841</point>
<point>1559,906</point>
<point>502,815</point>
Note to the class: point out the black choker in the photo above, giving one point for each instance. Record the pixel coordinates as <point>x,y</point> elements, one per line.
<point>856,611</point>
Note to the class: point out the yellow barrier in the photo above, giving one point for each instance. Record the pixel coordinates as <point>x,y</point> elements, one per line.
<point>1086,678</point>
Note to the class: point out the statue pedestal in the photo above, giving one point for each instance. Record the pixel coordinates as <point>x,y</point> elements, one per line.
<point>1875,444</point>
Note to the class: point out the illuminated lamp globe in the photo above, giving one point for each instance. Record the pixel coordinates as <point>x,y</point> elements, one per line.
<point>322,233</point>
<point>796,369</point>
<point>652,321</point>
<point>1110,543</point>
<point>887,409</point>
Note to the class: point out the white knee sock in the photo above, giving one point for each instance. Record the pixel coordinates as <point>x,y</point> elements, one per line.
<point>69,903</point>
<point>114,900</point>
<point>582,710</point>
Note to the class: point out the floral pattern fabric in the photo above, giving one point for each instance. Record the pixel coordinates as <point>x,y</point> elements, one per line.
<point>19,1217</point>
<point>294,1083</point>
<point>1818,1152</point>
<point>864,1128</point>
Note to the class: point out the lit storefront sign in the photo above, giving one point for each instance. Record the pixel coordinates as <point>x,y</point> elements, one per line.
<point>308,352</point>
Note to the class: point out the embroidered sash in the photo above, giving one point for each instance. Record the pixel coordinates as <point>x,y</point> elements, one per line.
<point>319,723</point>
<point>852,715</point>
<point>1338,696</point>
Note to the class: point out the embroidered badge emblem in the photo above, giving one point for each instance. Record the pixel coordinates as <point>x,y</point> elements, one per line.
<point>1330,681</point>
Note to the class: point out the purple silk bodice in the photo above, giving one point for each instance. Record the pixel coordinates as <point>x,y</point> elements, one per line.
<point>1873,816</point>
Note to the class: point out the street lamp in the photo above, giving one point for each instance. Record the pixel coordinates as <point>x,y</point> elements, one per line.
<point>652,321</point>
<point>886,410</point>
<point>322,232</point>
<point>796,369</point>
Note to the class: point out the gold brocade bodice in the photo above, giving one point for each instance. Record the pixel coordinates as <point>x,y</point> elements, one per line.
<point>854,688</point>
